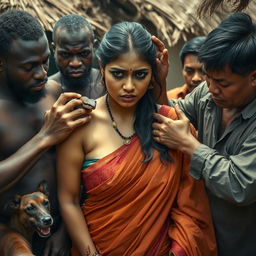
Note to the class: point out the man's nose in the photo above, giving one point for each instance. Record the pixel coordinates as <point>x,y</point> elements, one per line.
<point>198,77</point>
<point>212,86</point>
<point>41,73</point>
<point>75,62</point>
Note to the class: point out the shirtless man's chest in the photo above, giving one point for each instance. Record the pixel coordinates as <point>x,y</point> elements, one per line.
<point>18,124</point>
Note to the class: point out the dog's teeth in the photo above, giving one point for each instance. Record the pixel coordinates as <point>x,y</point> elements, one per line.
<point>45,231</point>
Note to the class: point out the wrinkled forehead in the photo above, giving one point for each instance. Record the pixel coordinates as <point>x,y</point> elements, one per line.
<point>22,49</point>
<point>73,37</point>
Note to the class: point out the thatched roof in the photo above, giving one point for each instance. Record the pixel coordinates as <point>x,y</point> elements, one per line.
<point>170,20</point>
<point>207,7</point>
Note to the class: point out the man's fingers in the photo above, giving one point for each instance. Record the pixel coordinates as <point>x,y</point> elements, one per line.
<point>156,127</point>
<point>159,44</point>
<point>165,56</point>
<point>72,104</point>
<point>65,97</point>
<point>77,113</point>
<point>156,138</point>
<point>180,113</point>
<point>159,118</point>
<point>80,121</point>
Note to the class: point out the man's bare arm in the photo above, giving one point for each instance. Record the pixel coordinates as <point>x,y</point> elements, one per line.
<point>60,120</point>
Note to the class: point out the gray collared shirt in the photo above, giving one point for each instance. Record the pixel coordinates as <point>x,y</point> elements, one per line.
<point>228,166</point>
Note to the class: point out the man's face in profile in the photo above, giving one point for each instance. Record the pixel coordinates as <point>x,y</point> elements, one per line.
<point>26,68</point>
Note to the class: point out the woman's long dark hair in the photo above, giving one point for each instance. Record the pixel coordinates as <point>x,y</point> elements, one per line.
<point>120,39</point>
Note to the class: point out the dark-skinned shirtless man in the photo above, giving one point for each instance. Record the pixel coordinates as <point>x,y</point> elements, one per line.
<point>73,45</point>
<point>31,120</point>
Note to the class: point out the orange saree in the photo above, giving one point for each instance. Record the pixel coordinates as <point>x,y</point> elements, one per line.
<point>146,209</point>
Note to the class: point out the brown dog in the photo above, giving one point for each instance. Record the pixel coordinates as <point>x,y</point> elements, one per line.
<point>30,213</point>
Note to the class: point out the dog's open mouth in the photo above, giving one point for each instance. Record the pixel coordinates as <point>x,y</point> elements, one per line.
<point>43,232</point>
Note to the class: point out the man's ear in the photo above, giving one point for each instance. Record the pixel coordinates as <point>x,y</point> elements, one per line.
<point>102,72</point>
<point>53,47</point>
<point>100,66</point>
<point>253,77</point>
<point>95,43</point>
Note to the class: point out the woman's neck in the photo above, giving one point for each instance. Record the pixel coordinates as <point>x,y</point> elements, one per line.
<point>123,123</point>
<point>121,113</point>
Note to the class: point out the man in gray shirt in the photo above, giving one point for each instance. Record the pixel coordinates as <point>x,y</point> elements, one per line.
<point>224,113</point>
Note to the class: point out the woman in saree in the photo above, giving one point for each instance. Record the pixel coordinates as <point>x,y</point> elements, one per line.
<point>140,199</point>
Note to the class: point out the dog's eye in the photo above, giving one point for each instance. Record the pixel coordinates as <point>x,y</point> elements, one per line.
<point>46,202</point>
<point>30,207</point>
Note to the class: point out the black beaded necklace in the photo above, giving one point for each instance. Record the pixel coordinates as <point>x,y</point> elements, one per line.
<point>127,139</point>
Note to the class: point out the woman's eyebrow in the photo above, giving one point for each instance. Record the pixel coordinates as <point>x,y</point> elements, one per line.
<point>121,69</point>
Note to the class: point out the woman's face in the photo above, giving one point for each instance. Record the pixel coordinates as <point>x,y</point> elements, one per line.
<point>127,79</point>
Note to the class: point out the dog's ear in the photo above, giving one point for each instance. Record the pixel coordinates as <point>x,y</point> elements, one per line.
<point>43,188</point>
<point>13,204</point>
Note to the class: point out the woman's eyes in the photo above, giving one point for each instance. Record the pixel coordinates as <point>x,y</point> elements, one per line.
<point>140,74</point>
<point>117,74</point>
<point>137,74</point>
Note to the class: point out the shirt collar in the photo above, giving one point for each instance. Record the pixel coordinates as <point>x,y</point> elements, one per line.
<point>249,110</point>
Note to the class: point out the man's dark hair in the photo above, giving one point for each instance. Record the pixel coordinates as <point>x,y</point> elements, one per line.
<point>232,44</point>
<point>72,22</point>
<point>15,25</point>
<point>191,47</point>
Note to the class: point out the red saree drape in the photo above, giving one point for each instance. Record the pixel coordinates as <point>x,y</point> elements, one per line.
<point>135,208</point>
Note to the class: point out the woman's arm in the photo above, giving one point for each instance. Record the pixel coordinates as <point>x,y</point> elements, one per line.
<point>70,155</point>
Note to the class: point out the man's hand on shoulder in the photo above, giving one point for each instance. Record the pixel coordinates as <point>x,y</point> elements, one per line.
<point>66,114</point>
<point>175,134</point>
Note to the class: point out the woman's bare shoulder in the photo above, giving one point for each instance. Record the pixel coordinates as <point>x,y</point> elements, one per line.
<point>95,119</point>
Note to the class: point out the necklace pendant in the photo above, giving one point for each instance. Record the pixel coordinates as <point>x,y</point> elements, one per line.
<point>114,124</point>
<point>127,141</point>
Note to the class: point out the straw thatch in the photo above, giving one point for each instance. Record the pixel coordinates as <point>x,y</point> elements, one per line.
<point>207,7</point>
<point>49,11</point>
<point>170,20</point>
